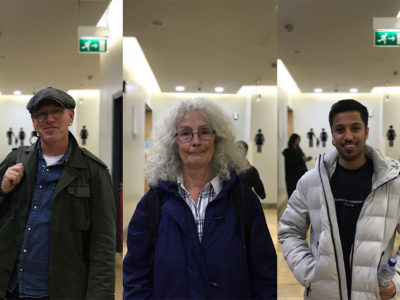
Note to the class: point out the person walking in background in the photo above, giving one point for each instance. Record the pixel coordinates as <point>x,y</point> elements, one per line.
<point>251,177</point>
<point>350,200</point>
<point>199,233</point>
<point>295,163</point>
<point>57,214</point>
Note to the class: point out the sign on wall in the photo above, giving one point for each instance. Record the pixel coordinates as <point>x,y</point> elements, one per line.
<point>387,38</point>
<point>92,45</point>
<point>386,32</point>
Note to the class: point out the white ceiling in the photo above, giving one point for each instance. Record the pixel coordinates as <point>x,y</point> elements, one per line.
<point>233,42</point>
<point>203,43</point>
<point>206,43</point>
<point>334,39</point>
<point>39,47</point>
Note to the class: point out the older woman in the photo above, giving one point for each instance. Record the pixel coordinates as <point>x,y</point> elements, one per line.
<point>188,237</point>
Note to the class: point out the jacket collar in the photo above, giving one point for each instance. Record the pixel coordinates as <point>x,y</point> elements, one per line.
<point>171,187</point>
<point>75,158</point>
<point>385,168</point>
<point>75,161</point>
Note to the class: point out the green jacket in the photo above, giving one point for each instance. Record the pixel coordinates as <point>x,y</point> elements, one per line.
<point>82,230</point>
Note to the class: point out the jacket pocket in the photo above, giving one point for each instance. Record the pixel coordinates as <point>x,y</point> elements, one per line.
<point>81,191</point>
<point>79,215</point>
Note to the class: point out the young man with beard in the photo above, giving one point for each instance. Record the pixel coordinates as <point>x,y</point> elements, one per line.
<point>351,203</point>
<point>57,214</point>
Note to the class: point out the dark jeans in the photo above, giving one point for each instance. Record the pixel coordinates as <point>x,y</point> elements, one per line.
<point>15,296</point>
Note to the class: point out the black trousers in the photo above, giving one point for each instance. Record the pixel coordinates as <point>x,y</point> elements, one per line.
<point>15,296</point>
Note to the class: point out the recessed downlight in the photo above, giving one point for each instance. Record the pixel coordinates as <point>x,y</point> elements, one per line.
<point>318,90</point>
<point>17,93</point>
<point>219,89</point>
<point>180,88</point>
<point>353,90</point>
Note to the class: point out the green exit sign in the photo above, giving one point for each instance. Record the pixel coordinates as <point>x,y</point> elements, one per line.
<point>387,38</point>
<point>92,45</point>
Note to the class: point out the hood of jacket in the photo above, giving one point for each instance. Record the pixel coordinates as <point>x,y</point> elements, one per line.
<point>385,168</point>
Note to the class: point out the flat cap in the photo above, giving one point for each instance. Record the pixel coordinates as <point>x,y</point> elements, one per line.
<point>51,94</point>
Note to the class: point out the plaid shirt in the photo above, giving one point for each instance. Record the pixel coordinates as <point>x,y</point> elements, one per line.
<point>208,194</point>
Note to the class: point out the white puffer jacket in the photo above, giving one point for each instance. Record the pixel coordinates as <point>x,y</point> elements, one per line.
<point>320,268</point>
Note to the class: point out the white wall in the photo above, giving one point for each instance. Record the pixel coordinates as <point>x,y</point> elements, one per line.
<point>13,113</point>
<point>264,117</point>
<point>391,116</point>
<point>87,113</point>
<point>311,110</point>
<point>139,84</point>
<point>283,102</point>
<point>230,103</point>
<point>286,87</point>
<point>110,78</point>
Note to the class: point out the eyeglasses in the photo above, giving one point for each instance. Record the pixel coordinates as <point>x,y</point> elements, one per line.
<point>55,113</point>
<point>185,135</point>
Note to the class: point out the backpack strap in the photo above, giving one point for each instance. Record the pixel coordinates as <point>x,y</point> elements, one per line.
<point>243,197</point>
<point>153,214</point>
<point>20,154</point>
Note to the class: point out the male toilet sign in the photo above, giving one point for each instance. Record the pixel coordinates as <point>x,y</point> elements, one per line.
<point>92,45</point>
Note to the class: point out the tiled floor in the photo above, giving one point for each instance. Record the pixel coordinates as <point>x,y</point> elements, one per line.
<point>118,276</point>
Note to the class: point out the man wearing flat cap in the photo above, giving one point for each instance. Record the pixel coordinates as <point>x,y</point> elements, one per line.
<point>57,213</point>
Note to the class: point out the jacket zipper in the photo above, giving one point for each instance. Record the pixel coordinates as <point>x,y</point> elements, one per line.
<point>352,246</point>
<point>329,218</point>
<point>330,225</point>
<point>351,264</point>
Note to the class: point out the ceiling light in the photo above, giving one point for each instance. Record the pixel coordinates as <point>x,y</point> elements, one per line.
<point>318,90</point>
<point>17,93</point>
<point>353,90</point>
<point>219,89</point>
<point>179,88</point>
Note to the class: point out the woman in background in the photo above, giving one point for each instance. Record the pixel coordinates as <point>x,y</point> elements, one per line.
<point>251,177</point>
<point>295,163</point>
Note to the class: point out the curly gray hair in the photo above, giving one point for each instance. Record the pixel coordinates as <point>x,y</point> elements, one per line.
<point>163,160</point>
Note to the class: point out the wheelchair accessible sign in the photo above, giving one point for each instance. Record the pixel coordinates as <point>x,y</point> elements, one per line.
<point>92,45</point>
